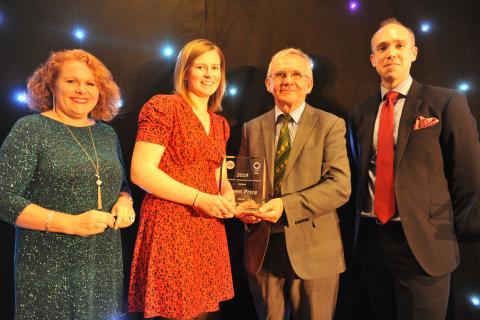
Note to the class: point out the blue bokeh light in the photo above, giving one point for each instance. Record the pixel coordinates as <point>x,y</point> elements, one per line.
<point>464,86</point>
<point>120,103</point>
<point>475,300</point>
<point>2,18</point>
<point>20,97</point>
<point>79,33</point>
<point>232,90</point>
<point>167,51</point>
<point>425,27</point>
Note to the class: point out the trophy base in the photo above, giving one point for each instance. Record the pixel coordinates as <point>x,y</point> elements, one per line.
<point>248,206</point>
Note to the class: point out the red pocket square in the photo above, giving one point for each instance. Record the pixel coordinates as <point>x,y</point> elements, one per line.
<point>422,123</point>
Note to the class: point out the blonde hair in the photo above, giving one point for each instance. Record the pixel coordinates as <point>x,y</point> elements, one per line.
<point>290,51</point>
<point>40,83</point>
<point>185,59</point>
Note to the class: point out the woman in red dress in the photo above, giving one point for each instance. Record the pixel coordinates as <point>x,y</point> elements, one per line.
<point>181,266</point>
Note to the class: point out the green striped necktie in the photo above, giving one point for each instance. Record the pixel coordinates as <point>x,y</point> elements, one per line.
<point>281,156</point>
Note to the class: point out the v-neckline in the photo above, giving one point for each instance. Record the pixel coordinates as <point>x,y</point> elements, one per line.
<point>207,133</point>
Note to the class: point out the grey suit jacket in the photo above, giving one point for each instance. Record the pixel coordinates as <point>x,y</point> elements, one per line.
<point>316,183</point>
<point>437,176</point>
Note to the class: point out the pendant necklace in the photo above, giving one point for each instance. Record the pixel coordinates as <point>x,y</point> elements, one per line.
<point>95,164</point>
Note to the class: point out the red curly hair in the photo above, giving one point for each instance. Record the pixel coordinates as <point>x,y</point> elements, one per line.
<point>41,82</point>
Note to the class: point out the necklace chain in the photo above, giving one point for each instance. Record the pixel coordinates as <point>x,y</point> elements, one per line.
<point>95,164</point>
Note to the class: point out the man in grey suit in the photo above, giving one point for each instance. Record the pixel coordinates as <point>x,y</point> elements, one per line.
<point>419,176</point>
<point>293,247</point>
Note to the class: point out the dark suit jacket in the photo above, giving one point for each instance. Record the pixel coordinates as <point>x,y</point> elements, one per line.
<point>437,175</point>
<point>316,183</point>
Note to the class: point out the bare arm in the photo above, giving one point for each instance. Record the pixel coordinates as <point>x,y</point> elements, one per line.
<point>146,174</point>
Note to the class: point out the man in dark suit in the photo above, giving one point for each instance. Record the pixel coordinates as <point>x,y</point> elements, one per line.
<point>418,178</point>
<point>293,248</point>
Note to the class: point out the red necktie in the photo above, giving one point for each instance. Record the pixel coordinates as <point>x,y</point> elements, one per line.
<point>384,203</point>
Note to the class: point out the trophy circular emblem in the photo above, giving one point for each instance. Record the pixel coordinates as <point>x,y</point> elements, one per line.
<point>230,164</point>
<point>256,165</point>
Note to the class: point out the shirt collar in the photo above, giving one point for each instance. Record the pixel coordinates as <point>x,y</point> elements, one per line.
<point>295,114</point>
<point>401,88</point>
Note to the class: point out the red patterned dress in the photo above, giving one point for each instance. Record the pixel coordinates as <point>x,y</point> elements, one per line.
<point>181,265</point>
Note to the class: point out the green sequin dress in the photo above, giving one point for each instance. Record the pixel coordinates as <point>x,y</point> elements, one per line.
<point>59,276</point>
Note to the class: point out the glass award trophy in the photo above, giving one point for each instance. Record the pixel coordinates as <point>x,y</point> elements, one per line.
<point>247,177</point>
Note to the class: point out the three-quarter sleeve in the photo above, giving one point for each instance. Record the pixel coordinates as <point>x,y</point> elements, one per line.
<point>18,161</point>
<point>156,120</point>
<point>125,183</point>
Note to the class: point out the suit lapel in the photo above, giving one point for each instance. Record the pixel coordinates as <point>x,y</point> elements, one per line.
<point>409,113</point>
<point>268,134</point>
<point>366,131</point>
<point>306,125</point>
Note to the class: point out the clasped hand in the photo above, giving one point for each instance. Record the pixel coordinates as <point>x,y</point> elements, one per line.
<point>92,222</point>
<point>216,205</point>
<point>123,212</point>
<point>270,211</point>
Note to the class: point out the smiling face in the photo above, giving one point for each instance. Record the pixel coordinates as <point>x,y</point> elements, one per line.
<point>75,91</point>
<point>204,75</point>
<point>289,81</point>
<point>393,51</point>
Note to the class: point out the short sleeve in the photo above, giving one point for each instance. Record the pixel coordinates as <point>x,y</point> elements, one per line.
<point>18,162</point>
<point>156,120</point>
<point>226,129</point>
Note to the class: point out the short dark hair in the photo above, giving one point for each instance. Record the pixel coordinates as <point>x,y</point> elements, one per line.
<point>392,20</point>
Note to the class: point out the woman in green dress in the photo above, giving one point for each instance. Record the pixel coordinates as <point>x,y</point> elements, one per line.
<point>64,188</point>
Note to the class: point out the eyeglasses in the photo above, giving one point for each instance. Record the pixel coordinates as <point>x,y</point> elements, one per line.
<point>282,75</point>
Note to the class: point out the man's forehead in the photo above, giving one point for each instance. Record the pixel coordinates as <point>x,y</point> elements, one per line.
<point>391,31</point>
<point>289,61</point>
<point>387,41</point>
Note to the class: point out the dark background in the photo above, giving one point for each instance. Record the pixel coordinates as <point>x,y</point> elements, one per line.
<point>127,36</point>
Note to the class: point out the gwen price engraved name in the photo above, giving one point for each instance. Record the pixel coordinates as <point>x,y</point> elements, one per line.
<point>243,183</point>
